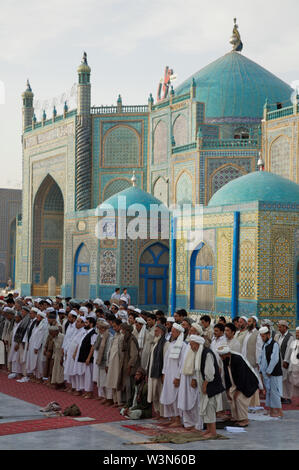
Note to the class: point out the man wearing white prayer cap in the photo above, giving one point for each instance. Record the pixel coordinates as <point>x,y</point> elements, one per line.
<point>271,370</point>
<point>240,334</point>
<point>169,322</point>
<point>171,375</point>
<point>285,339</point>
<point>98,302</point>
<point>241,384</point>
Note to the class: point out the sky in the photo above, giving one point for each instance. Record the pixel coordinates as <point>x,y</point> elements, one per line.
<point>128,44</point>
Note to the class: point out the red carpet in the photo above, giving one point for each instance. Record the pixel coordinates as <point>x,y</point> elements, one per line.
<point>41,395</point>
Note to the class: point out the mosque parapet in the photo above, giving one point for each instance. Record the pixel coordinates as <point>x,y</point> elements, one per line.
<point>115,109</point>
<point>50,121</point>
<point>282,112</point>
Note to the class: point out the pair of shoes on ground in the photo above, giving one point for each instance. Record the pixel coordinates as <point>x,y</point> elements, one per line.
<point>23,380</point>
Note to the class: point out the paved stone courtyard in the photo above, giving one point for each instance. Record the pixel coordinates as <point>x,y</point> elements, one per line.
<point>24,427</point>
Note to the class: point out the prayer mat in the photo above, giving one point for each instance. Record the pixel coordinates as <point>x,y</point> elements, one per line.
<point>175,438</point>
<point>152,429</point>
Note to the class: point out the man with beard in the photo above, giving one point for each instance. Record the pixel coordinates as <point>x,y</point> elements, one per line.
<point>240,334</point>
<point>171,375</point>
<point>130,361</point>
<point>137,406</point>
<point>169,322</point>
<point>114,358</point>
<point>155,370</point>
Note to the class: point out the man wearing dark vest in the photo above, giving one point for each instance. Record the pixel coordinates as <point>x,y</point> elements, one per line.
<point>84,359</point>
<point>241,383</point>
<point>209,383</point>
<point>284,339</point>
<point>270,368</point>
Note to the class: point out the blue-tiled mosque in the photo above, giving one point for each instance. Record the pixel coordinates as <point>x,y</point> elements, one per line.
<point>199,143</point>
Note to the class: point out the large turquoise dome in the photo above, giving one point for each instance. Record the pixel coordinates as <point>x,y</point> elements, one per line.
<point>236,87</point>
<point>132,195</point>
<point>257,186</point>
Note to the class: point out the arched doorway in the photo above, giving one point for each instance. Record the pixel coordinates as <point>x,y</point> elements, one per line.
<point>153,275</point>
<point>202,278</point>
<point>81,272</point>
<point>47,250</point>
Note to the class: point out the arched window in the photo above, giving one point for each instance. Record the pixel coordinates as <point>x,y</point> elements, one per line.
<point>184,189</point>
<point>121,147</point>
<point>153,275</point>
<point>161,190</point>
<point>48,220</point>
<point>160,143</point>
<point>280,153</point>
<point>241,133</point>
<point>115,186</point>
<point>180,131</point>
<point>202,278</point>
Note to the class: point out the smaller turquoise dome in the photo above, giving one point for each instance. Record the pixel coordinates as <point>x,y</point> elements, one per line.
<point>257,186</point>
<point>133,195</point>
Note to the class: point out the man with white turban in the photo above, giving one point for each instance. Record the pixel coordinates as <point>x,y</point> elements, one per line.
<point>270,368</point>
<point>294,364</point>
<point>169,322</point>
<point>188,397</point>
<point>241,383</point>
<point>208,381</point>
<point>171,375</point>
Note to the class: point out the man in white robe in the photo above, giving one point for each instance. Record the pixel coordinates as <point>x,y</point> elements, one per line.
<point>13,355</point>
<point>35,357</point>
<point>70,353</point>
<point>70,330</point>
<point>188,397</point>
<point>83,365</point>
<point>171,375</point>
<point>208,380</point>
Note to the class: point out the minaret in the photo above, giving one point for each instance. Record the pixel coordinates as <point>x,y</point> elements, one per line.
<point>27,110</point>
<point>83,138</point>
